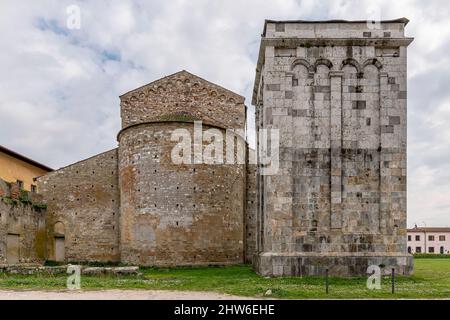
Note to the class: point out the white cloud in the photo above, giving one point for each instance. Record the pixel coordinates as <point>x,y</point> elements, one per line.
<point>60,87</point>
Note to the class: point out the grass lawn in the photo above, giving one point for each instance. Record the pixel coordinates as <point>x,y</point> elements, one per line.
<point>431,279</point>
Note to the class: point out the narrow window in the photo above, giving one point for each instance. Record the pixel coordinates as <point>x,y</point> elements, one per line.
<point>20,183</point>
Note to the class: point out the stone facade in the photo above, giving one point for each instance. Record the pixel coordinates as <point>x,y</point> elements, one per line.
<point>336,91</point>
<point>183,97</point>
<point>22,228</point>
<point>173,214</point>
<point>251,202</point>
<point>135,205</point>
<point>83,204</point>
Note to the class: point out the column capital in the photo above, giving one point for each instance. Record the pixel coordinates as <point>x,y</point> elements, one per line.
<point>336,74</point>
<point>289,74</point>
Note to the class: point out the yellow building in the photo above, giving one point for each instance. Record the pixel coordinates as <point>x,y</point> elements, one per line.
<point>15,167</point>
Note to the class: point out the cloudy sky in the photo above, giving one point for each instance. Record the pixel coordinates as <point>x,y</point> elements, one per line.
<point>59,87</point>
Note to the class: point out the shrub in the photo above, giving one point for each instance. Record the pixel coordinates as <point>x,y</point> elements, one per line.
<point>431,256</point>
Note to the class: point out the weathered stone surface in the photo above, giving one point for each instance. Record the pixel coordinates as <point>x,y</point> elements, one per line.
<point>337,94</point>
<point>304,264</point>
<point>26,224</point>
<point>133,204</point>
<point>250,212</point>
<point>339,198</point>
<point>30,269</point>
<point>93,271</point>
<point>83,201</point>
<point>110,270</point>
<point>183,96</point>
<point>175,214</point>
<point>125,270</point>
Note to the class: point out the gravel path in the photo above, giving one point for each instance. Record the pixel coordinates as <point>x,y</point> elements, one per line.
<point>114,295</point>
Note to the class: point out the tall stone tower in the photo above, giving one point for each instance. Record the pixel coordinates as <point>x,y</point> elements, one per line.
<point>336,91</point>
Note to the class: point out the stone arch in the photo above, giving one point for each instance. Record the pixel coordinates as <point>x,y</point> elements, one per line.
<point>351,62</point>
<point>371,71</point>
<point>324,62</point>
<point>302,62</point>
<point>374,62</point>
<point>59,229</point>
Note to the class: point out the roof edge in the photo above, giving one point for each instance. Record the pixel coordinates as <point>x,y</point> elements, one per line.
<point>190,73</point>
<point>25,159</point>
<point>77,162</point>
<point>429,229</point>
<point>403,20</point>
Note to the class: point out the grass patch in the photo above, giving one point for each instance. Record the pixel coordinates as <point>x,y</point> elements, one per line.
<point>430,280</point>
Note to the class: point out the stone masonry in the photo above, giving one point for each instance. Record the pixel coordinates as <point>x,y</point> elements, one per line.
<point>174,215</point>
<point>22,226</point>
<point>134,205</point>
<point>336,91</point>
<point>83,204</point>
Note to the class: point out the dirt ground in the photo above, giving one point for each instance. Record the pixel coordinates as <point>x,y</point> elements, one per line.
<point>114,295</point>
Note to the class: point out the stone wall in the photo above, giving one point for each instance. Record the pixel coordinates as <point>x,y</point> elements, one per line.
<point>183,96</point>
<point>83,209</point>
<point>330,30</point>
<point>22,229</point>
<point>177,214</point>
<point>337,94</point>
<point>250,212</point>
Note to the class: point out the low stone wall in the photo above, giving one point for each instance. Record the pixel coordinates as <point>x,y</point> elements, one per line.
<point>85,270</point>
<point>29,270</point>
<point>22,227</point>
